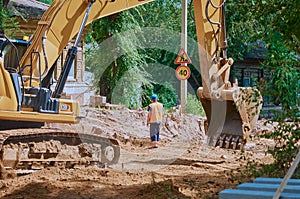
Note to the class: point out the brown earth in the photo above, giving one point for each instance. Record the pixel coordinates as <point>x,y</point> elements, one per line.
<point>183,167</point>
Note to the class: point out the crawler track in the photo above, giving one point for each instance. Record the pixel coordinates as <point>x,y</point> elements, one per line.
<point>35,149</point>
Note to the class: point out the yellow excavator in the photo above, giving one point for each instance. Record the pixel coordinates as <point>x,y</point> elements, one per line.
<point>27,101</point>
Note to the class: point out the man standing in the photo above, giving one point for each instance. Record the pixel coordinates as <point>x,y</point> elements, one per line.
<point>155,115</point>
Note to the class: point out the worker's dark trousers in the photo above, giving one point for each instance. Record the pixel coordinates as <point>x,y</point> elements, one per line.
<point>155,138</point>
<point>154,131</point>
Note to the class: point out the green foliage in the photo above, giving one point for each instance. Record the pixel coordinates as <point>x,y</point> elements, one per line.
<point>125,59</point>
<point>166,95</point>
<point>163,14</point>
<point>8,23</point>
<point>128,90</point>
<point>242,28</point>
<point>46,1</point>
<point>274,22</point>
<point>249,21</point>
<point>280,16</point>
<point>166,16</point>
<point>286,136</point>
<point>283,87</point>
<point>194,105</point>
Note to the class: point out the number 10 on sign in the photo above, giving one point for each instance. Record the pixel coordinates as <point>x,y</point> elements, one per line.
<point>182,72</point>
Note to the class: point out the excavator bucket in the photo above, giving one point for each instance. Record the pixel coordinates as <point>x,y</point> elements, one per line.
<point>230,121</point>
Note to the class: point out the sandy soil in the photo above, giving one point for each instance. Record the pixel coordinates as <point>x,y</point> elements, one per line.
<point>183,167</point>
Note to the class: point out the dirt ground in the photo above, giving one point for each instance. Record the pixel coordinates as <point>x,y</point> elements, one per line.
<point>183,167</point>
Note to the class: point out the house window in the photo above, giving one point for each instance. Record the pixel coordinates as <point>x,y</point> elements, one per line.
<point>246,81</point>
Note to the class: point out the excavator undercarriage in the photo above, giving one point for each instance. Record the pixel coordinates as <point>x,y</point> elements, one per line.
<point>40,148</point>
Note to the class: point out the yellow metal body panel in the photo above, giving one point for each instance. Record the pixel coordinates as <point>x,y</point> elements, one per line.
<point>207,39</point>
<point>38,117</point>
<point>8,98</point>
<point>61,22</point>
<point>69,107</point>
<point>204,29</point>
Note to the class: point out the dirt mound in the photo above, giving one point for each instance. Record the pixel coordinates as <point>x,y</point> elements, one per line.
<point>183,167</point>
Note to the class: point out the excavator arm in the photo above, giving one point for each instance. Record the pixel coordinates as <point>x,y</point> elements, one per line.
<point>231,111</point>
<point>211,37</point>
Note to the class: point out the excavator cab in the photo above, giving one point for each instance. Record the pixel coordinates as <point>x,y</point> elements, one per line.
<point>22,102</point>
<point>11,50</point>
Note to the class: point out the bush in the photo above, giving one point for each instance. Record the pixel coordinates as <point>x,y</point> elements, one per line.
<point>166,95</point>
<point>194,105</point>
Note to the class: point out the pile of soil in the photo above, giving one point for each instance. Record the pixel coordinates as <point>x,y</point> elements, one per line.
<point>182,167</point>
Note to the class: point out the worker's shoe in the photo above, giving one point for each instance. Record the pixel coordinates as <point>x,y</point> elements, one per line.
<point>154,145</point>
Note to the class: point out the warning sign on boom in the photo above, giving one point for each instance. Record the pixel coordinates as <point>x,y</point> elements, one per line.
<point>182,58</point>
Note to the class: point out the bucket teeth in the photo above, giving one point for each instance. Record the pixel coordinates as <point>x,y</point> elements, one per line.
<point>235,142</point>
<point>221,140</point>
<point>229,141</point>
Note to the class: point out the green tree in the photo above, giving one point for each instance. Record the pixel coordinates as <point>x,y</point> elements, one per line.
<point>166,95</point>
<point>124,56</point>
<point>274,22</point>
<point>8,23</point>
<point>266,20</point>
<point>163,15</point>
<point>46,1</point>
<point>284,87</point>
<point>280,17</point>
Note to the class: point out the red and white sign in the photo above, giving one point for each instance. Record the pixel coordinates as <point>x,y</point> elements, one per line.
<point>182,58</point>
<point>183,72</point>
